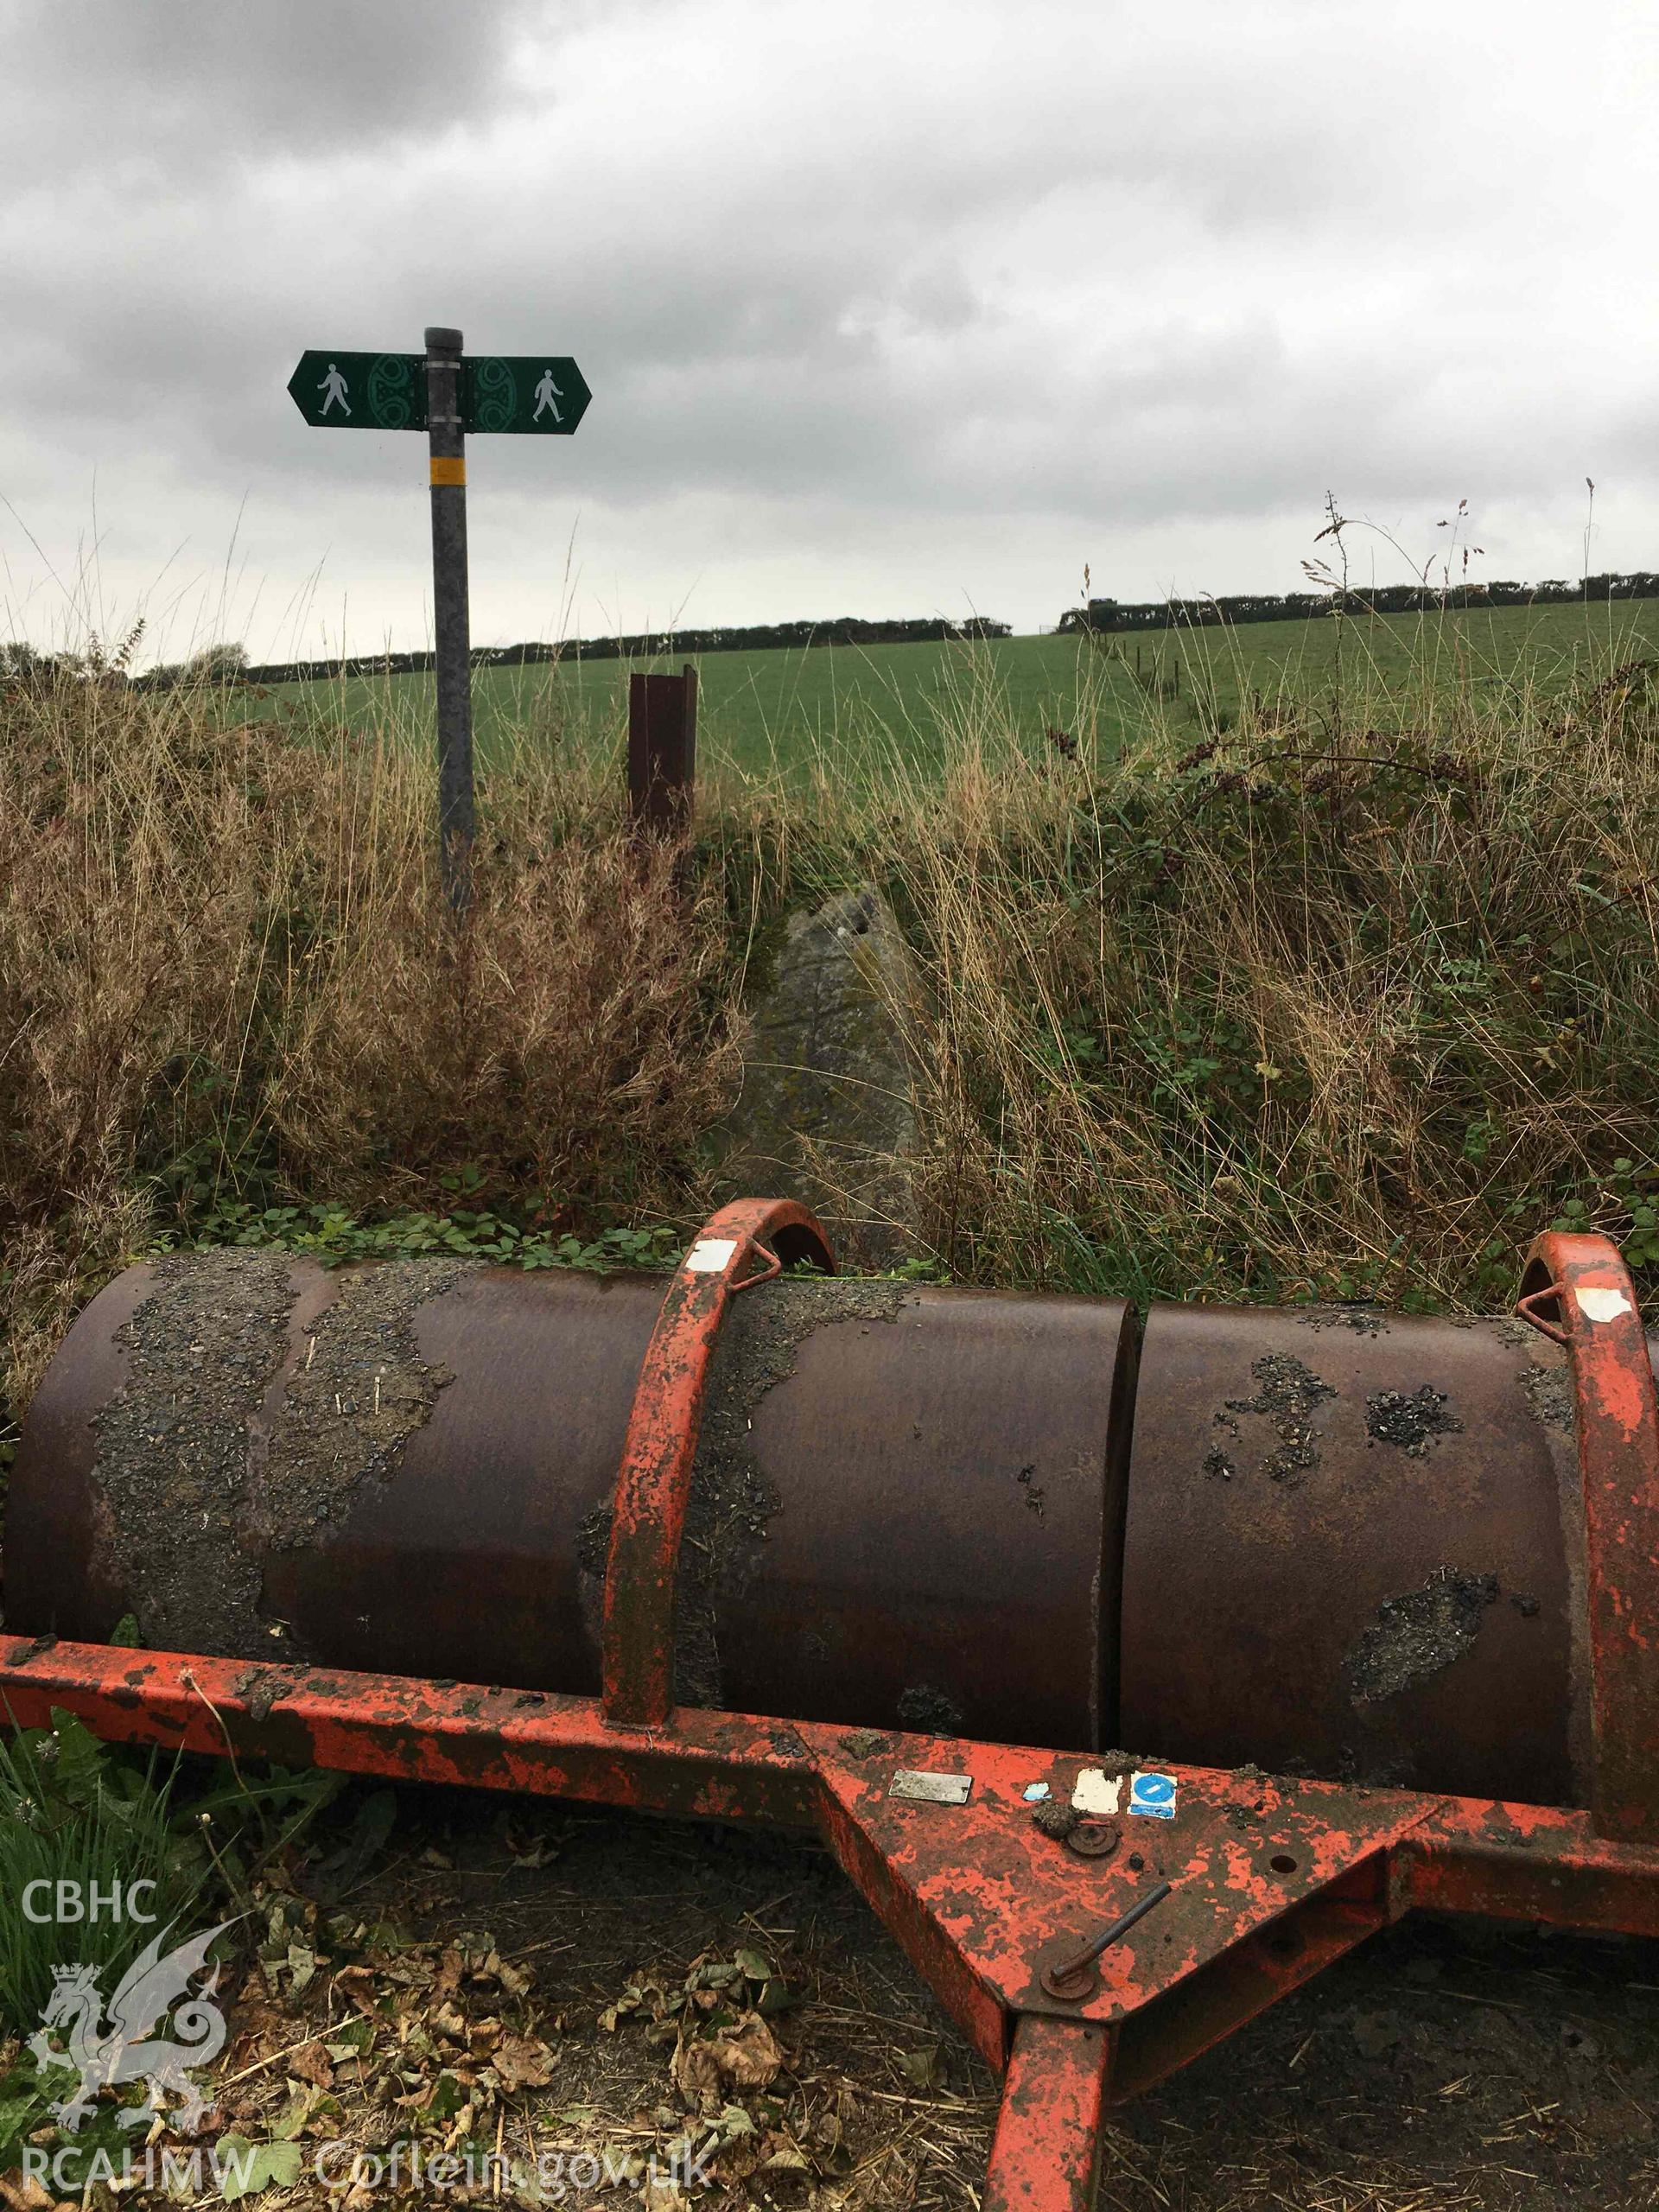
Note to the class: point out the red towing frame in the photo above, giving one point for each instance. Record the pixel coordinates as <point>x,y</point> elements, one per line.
<point>1085,1955</point>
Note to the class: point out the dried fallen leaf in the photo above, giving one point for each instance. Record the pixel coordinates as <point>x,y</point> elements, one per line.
<point>744,2056</point>
<point>310,2063</point>
<point>748,2054</point>
<point>22,2193</point>
<point>521,2063</point>
<point>925,2068</point>
<point>302,1964</point>
<point>787,2158</point>
<point>697,2075</point>
<point>630,2001</point>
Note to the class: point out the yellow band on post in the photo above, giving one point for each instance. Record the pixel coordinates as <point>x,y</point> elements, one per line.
<point>448,469</point>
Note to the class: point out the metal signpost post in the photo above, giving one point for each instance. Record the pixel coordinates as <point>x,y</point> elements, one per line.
<point>446,393</point>
<point>451,665</point>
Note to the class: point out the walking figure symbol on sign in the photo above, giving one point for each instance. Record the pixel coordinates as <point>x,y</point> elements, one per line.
<point>332,388</point>
<point>546,392</point>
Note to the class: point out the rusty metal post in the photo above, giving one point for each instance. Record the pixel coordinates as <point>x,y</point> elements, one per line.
<point>662,751</point>
<point>452,659</point>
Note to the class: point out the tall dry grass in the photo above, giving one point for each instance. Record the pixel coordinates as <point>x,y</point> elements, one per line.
<point>1305,1006</point>
<point>226,969</point>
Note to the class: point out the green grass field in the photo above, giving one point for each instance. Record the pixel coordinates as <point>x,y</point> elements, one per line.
<point>781,712</point>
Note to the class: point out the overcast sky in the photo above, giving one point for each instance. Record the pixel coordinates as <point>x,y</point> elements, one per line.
<point>887,309</point>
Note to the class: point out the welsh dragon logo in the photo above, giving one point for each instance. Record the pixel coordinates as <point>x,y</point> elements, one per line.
<point>105,2054</point>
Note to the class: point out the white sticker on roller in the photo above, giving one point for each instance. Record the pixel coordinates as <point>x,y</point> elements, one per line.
<point>1035,1793</point>
<point>709,1255</point>
<point>931,1789</point>
<point>1096,1791</point>
<point>1602,1305</point>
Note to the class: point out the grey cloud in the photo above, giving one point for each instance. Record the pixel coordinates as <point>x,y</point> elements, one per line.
<point>194,82</point>
<point>946,274</point>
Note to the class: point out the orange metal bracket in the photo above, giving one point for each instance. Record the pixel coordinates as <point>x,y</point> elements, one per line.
<point>655,1482</point>
<point>1577,1290</point>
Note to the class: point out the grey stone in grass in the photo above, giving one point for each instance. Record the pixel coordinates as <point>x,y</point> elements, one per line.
<point>827,1113</point>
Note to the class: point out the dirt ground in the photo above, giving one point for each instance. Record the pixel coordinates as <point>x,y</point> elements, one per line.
<point>1446,2065</point>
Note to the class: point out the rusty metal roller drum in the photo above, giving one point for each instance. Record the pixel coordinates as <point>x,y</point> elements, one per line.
<point>1344,1543</point>
<point>905,1510</point>
<point>1355,1548</point>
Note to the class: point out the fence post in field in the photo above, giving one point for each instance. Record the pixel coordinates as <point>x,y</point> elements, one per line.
<point>457,811</point>
<point>662,752</point>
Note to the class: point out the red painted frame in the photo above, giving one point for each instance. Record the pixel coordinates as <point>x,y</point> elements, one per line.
<point>1271,1879</point>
